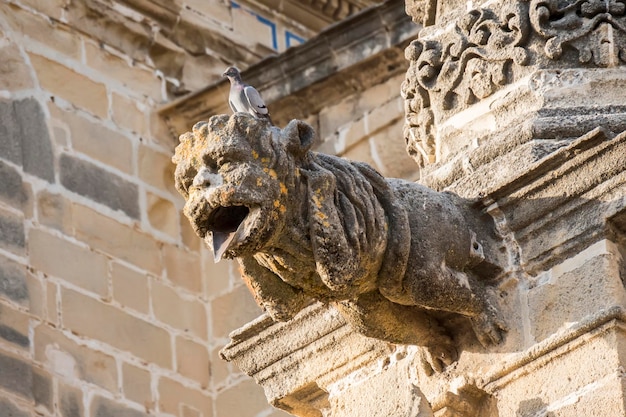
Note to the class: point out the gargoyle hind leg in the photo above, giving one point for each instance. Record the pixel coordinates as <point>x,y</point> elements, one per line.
<point>444,288</point>
<point>374,316</point>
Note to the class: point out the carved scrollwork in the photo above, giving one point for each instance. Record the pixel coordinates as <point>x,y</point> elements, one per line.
<point>594,28</point>
<point>463,66</point>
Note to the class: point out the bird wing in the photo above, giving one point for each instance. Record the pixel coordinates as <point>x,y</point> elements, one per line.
<point>255,100</point>
<point>232,106</point>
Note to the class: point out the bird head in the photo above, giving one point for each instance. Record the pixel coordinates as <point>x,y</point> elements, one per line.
<point>231,72</point>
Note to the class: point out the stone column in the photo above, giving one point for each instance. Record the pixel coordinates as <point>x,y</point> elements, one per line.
<point>518,105</point>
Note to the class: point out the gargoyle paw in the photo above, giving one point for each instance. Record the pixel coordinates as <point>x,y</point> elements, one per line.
<point>437,358</point>
<point>489,327</point>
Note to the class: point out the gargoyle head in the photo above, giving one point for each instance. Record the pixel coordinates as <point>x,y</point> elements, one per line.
<point>236,174</point>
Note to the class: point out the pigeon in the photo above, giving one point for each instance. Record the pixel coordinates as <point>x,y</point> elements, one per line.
<point>243,97</point>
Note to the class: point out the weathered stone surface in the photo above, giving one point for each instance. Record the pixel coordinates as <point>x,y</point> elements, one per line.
<point>11,190</point>
<point>48,32</point>
<point>42,388</point>
<point>175,397</point>
<point>367,54</point>
<point>49,254</point>
<point>236,307</point>
<point>64,356</point>
<point>70,401</point>
<point>14,326</point>
<point>13,280</point>
<point>14,72</point>
<point>10,139</point>
<point>385,287</point>
<point>230,401</point>
<point>37,155</point>
<point>12,232</point>
<point>401,396</point>
<point>192,360</point>
<point>24,138</point>
<point>54,210</point>
<point>116,239</point>
<point>99,142</point>
<point>182,267</point>
<point>169,307</point>
<point>136,385</point>
<point>98,184</point>
<point>472,56</point>
<point>130,288</point>
<point>585,295</point>
<point>103,407</point>
<point>16,376</point>
<point>163,215</point>
<point>70,85</point>
<point>7,408</point>
<point>111,325</point>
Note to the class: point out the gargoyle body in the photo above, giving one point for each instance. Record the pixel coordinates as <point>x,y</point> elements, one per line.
<point>389,254</point>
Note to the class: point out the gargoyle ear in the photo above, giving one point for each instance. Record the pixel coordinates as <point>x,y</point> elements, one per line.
<point>298,137</point>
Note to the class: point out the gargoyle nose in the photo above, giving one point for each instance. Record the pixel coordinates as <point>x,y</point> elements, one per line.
<point>205,178</point>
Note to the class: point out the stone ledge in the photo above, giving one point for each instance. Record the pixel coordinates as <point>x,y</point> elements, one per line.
<point>351,56</point>
<point>542,352</point>
<point>294,360</point>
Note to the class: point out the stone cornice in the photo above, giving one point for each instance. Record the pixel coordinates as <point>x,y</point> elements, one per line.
<point>364,50</point>
<point>315,13</point>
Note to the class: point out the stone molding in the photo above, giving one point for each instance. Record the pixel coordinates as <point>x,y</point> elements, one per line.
<point>457,66</point>
<point>314,349</point>
<point>330,11</point>
<point>473,395</point>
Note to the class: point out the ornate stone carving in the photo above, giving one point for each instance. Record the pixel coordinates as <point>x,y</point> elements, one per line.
<point>465,64</point>
<point>596,29</point>
<point>452,68</point>
<point>394,257</point>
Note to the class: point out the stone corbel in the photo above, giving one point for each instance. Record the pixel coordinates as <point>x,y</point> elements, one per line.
<point>395,258</point>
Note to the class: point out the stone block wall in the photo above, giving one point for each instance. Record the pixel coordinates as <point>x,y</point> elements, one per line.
<point>365,126</point>
<point>109,304</point>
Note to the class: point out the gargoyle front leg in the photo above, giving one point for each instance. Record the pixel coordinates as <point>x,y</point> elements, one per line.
<point>373,315</point>
<point>279,299</point>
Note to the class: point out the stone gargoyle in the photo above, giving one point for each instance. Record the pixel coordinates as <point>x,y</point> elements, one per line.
<point>391,255</point>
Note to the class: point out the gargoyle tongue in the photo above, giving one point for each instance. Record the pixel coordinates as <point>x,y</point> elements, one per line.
<point>221,241</point>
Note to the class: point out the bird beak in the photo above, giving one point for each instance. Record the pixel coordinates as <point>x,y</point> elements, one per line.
<point>224,74</point>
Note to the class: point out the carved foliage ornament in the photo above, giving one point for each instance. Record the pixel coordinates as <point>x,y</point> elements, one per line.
<point>594,28</point>
<point>483,50</point>
<point>466,64</point>
<point>394,257</point>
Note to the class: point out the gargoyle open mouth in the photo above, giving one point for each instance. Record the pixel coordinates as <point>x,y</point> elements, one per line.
<point>225,223</point>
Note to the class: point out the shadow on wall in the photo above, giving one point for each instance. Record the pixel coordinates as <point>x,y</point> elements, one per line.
<point>534,407</point>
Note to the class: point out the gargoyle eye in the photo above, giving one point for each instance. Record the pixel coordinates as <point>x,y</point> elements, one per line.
<point>211,163</point>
